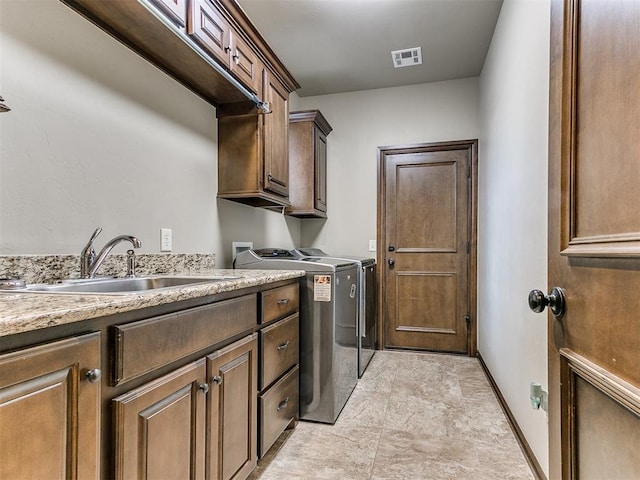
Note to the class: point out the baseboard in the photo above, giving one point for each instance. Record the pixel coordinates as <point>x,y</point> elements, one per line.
<point>524,445</point>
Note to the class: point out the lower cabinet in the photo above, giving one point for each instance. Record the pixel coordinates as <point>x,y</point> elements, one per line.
<point>278,408</point>
<point>193,410</point>
<point>232,412</point>
<point>159,428</point>
<point>278,379</point>
<point>50,410</point>
<point>197,422</point>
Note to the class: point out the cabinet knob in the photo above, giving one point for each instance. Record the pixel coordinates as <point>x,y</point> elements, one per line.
<point>283,301</point>
<point>94,375</point>
<point>204,387</point>
<point>217,380</point>
<point>283,404</point>
<point>283,346</point>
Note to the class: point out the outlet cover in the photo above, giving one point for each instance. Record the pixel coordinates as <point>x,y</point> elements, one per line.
<point>372,245</point>
<point>165,240</point>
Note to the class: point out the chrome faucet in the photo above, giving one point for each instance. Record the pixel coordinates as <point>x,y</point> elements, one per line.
<point>90,262</point>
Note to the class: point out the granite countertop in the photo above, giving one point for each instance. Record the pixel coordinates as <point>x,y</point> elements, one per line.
<point>23,312</point>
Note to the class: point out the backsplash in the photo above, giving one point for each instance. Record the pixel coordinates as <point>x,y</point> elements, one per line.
<point>53,268</point>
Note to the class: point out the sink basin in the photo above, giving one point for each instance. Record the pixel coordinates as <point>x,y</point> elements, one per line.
<point>123,285</point>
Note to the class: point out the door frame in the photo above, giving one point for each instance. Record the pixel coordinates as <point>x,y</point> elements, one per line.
<point>383,151</point>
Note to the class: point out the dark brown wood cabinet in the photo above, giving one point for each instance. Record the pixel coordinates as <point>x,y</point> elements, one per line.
<point>201,43</point>
<point>175,10</point>
<point>232,410</point>
<point>50,410</point>
<point>159,428</point>
<point>278,372</point>
<point>308,132</point>
<point>209,27</point>
<point>253,154</point>
<point>179,397</point>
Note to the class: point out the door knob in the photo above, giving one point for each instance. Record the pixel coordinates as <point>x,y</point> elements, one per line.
<point>538,301</point>
<point>391,262</point>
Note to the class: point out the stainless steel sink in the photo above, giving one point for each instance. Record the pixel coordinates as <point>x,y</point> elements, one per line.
<point>122,285</point>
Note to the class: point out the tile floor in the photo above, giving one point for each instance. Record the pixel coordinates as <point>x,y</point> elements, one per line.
<point>413,416</point>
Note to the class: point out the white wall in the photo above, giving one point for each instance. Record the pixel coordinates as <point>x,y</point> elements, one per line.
<point>363,121</point>
<point>99,136</point>
<point>512,215</point>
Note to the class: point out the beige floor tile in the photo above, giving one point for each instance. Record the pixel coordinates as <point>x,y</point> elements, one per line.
<point>413,416</point>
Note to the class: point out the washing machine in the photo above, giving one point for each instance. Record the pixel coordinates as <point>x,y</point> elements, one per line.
<point>329,299</point>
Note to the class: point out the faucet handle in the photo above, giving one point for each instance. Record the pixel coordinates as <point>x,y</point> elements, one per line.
<point>88,254</point>
<point>89,245</point>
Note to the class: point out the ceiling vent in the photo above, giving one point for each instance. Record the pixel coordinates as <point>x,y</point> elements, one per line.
<point>407,57</point>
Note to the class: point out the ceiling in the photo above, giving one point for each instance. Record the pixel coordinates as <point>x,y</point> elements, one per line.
<point>333,46</point>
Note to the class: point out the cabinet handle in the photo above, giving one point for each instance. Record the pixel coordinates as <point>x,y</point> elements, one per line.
<point>283,404</point>
<point>94,375</point>
<point>217,380</point>
<point>283,346</point>
<point>204,387</point>
<point>283,301</point>
<point>236,57</point>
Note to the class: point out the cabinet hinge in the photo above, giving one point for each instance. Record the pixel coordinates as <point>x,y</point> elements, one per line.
<point>468,248</point>
<point>469,172</point>
<point>467,319</point>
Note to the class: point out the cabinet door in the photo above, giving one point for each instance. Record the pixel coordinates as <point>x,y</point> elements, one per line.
<point>210,30</point>
<point>320,143</point>
<point>176,10</point>
<point>244,63</point>
<point>232,412</point>
<point>50,411</point>
<point>159,427</point>
<point>276,136</point>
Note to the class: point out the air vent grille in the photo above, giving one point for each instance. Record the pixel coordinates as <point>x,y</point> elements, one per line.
<point>407,57</point>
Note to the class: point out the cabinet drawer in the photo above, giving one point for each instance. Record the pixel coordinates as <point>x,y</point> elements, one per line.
<point>279,349</point>
<point>143,346</point>
<point>280,302</point>
<point>278,406</point>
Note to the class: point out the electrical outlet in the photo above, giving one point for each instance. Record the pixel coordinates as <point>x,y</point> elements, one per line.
<point>165,240</point>
<point>372,245</point>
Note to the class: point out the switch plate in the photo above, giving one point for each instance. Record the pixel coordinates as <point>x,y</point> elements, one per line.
<point>165,240</point>
<point>372,245</point>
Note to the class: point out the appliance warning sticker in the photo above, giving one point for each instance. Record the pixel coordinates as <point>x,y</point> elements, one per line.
<point>322,288</point>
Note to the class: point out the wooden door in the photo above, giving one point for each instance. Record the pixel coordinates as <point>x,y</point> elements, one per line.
<point>232,413</point>
<point>50,411</point>
<point>159,428</point>
<point>276,136</point>
<point>426,236</point>
<point>594,239</point>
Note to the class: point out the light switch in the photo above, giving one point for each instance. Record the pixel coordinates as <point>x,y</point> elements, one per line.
<point>372,245</point>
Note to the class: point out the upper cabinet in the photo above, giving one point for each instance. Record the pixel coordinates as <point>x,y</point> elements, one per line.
<point>308,132</point>
<point>208,27</point>
<point>253,155</point>
<point>210,46</point>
